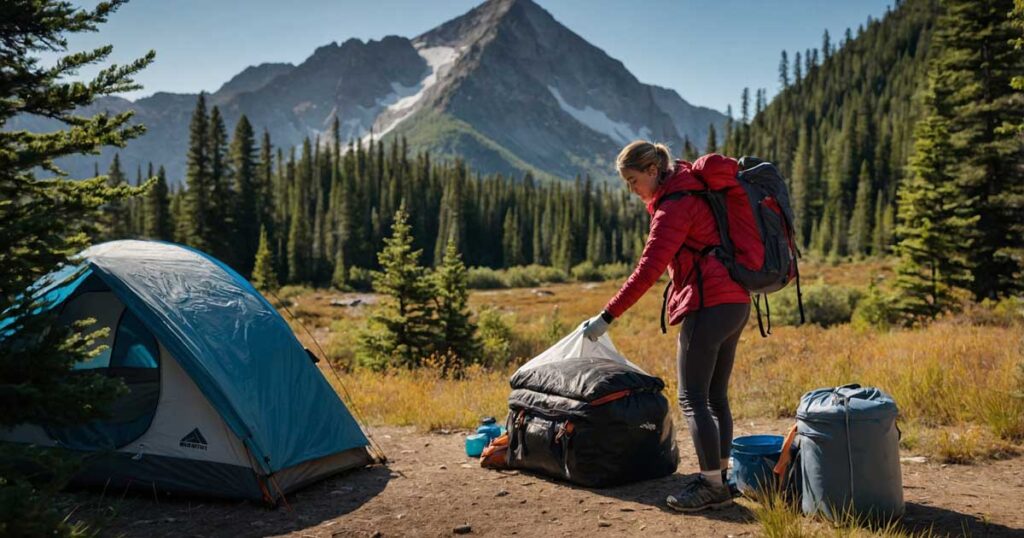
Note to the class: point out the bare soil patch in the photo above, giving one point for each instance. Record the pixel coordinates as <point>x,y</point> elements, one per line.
<point>430,488</point>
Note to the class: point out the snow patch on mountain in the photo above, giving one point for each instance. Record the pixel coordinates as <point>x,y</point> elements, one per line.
<point>597,120</point>
<point>402,102</point>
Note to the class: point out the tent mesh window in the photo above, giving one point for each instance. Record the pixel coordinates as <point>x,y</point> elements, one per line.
<point>130,353</point>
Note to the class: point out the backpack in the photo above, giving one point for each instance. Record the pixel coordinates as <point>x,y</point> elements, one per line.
<point>755,227</point>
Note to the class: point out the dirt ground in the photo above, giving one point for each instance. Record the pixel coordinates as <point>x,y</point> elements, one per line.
<point>430,488</point>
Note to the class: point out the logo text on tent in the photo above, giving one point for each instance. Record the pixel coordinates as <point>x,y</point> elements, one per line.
<point>193,440</point>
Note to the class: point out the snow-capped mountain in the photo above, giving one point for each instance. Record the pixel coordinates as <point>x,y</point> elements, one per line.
<point>505,86</point>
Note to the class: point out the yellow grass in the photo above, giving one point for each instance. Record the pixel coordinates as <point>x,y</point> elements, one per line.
<point>952,382</point>
<point>780,519</point>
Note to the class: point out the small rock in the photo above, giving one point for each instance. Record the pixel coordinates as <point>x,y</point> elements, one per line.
<point>466,466</point>
<point>603,524</point>
<point>426,444</point>
<point>522,501</point>
<point>627,509</point>
<point>443,467</point>
<point>914,459</point>
<point>501,493</point>
<point>399,516</point>
<point>462,529</point>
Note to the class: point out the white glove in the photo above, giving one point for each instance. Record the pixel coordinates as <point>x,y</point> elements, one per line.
<point>595,327</point>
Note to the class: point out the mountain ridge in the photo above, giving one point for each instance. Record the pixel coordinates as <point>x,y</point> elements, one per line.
<point>514,89</point>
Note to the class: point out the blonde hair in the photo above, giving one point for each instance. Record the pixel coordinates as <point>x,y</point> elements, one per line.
<point>639,155</point>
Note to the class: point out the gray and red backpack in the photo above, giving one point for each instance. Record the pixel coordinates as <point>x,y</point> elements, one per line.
<point>750,203</point>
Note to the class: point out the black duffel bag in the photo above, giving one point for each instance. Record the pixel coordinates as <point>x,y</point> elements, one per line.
<point>591,421</point>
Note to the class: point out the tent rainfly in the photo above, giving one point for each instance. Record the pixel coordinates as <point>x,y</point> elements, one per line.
<point>223,400</point>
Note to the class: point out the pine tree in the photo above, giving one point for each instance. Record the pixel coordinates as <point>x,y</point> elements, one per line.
<point>879,236</point>
<point>43,222</point>
<point>745,105</point>
<point>1017,20</point>
<point>116,218</point>
<point>458,343</point>
<point>975,64</point>
<point>402,331</point>
<point>784,70</point>
<point>511,243</point>
<point>933,250</point>
<point>838,245</point>
<point>264,277</point>
<point>857,243</point>
<point>800,179</point>
<point>798,74</point>
<point>711,146</point>
<point>246,208</point>
<point>157,224</point>
<point>221,196</point>
<point>689,152</point>
<point>198,225</point>
<point>826,46</point>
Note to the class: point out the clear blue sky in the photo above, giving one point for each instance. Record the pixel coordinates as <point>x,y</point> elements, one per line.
<point>706,50</point>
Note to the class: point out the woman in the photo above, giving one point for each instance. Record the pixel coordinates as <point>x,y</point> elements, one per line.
<point>713,312</point>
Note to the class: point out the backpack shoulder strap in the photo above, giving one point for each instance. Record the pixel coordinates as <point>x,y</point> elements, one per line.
<point>670,196</point>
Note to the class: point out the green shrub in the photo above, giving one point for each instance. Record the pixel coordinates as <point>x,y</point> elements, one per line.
<point>496,336</point>
<point>876,310</point>
<point>360,279</point>
<point>586,271</point>
<point>484,278</point>
<point>548,275</point>
<point>528,276</point>
<point>615,271</point>
<point>824,304</point>
<point>522,277</point>
<point>291,291</point>
<point>1005,312</point>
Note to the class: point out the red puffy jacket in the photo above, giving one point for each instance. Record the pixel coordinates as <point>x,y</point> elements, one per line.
<point>680,220</point>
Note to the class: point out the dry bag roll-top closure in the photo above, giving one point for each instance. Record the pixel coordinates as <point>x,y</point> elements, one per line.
<point>751,206</point>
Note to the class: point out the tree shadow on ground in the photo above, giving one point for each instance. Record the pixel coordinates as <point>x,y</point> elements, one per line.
<point>943,522</point>
<point>135,513</point>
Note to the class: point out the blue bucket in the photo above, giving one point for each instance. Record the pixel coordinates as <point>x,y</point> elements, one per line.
<point>754,457</point>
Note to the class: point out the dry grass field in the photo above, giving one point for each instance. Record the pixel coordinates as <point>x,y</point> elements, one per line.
<point>955,381</point>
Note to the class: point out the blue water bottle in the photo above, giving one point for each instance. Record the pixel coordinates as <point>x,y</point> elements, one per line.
<point>489,427</point>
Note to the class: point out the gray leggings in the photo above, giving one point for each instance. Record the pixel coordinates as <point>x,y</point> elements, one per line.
<point>707,348</point>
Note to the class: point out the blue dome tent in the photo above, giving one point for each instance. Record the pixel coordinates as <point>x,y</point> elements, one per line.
<point>223,399</point>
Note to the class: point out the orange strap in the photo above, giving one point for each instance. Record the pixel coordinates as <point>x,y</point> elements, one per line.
<point>784,459</point>
<point>611,397</point>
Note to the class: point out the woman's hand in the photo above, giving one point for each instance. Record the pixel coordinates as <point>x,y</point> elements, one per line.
<point>596,326</point>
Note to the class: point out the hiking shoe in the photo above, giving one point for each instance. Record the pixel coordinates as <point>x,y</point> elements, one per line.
<point>700,495</point>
